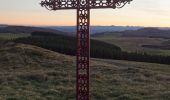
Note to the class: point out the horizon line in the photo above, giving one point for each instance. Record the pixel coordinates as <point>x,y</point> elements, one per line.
<point>90,25</point>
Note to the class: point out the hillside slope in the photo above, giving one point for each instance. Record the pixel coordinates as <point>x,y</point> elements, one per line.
<point>32,73</point>
<point>150,40</point>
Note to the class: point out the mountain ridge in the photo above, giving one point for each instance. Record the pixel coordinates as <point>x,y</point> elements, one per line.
<point>143,32</point>
<point>28,29</point>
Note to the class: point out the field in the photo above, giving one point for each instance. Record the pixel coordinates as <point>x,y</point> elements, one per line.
<point>133,44</point>
<point>32,73</point>
<point>10,36</point>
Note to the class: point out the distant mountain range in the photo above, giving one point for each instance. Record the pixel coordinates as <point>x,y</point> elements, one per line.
<point>96,29</point>
<point>68,29</point>
<point>100,29</point>
<point>3,25</point>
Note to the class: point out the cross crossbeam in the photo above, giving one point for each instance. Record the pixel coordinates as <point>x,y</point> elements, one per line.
<point>73,4</point>
<point>83,35</point>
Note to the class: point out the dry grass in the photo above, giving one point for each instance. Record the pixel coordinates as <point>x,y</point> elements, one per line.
<point>32,73</point>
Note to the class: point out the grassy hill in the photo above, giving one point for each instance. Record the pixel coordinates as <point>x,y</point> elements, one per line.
<point>32,73</point>
<point>148,32</point>
<point>149,40</point>
<point>141,32</point>
<point>10,36</point>
<point>28,30</point>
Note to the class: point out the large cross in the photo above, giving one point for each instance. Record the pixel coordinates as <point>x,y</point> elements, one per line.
<point>83,35</point>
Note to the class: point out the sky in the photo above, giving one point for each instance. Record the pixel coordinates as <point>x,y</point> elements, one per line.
<point>152,13</point>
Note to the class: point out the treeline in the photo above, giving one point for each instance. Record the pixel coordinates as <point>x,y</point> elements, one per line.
<point>67,45</point>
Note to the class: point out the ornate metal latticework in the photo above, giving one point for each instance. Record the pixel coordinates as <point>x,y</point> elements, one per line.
<point>83,35</point>
<point>83,50</point>
<point>73,4</point>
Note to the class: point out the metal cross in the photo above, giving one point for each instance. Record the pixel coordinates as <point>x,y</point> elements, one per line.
<point>83,35</point>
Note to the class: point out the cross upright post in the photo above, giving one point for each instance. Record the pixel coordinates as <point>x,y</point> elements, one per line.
<point>83,50</point>
<point>83,35</point>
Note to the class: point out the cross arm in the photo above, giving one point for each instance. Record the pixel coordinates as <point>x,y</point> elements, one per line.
<point>95,4</point>
<point>59,4</point>
<point>73,4</point>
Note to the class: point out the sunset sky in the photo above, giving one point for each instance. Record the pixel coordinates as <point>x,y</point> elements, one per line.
<point>138,13</point>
